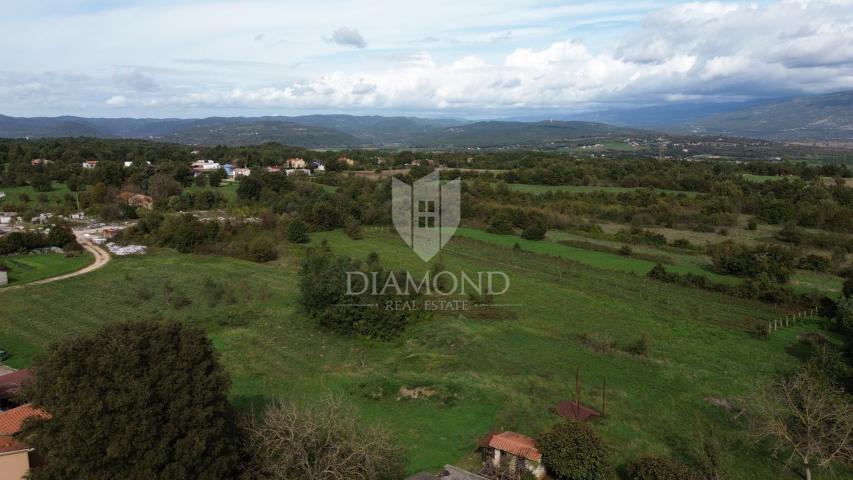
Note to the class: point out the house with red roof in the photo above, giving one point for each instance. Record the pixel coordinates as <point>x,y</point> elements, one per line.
<point>511,455</point>
<point>15,454</point>
<point>14,459</point>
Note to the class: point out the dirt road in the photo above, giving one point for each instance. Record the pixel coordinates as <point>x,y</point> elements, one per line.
<point>102,257</point>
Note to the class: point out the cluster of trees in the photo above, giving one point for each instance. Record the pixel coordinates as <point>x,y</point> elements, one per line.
<point>156,406</point>
<point>352,309</point>
<point>188,234</point>
<point>763,262</point>
<point>56,235</point>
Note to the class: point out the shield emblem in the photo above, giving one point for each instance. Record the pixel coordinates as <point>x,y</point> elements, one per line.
<point>426,213</point>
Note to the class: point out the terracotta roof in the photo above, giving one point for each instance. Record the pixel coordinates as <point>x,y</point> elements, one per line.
<point>11,383</point>
<point>10,445</point>
<point>11,421</point>
<point>569,409</point>
<point>516,444</point>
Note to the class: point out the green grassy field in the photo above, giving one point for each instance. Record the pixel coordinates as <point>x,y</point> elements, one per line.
<point>593,258</point>
<point>29,268</point>
<point>540,189</point>
<point>13,193</point>
<point>502,370</point>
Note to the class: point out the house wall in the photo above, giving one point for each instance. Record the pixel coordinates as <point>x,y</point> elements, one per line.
<point>14,466</point>
<point>4,278</point>
<point>537,469</point>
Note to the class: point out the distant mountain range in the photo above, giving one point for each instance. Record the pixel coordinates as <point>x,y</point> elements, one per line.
<point>818,117</point>
<point>314,131</point>
<point>821,117</point>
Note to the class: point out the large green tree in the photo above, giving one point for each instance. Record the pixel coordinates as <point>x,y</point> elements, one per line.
<point>573,451</point>
<point>134,401</point>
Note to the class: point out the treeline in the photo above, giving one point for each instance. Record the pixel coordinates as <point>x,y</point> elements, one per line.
<point>56,235</point>
<point>188,234</point>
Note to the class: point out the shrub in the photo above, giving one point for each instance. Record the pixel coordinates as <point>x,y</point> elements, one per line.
<point>536,231</point>
<point>844,314</point>
<point>501,224</point>
<point>752,225</point>
<point>297,231</point>
<point>818,263</point>
<point>847,289</point>
<point>353,229</point>
<point>262,250</point>
<point>625,250</point>
<point>659,468</point>
<point>640,346</point>
<point>572,451</point>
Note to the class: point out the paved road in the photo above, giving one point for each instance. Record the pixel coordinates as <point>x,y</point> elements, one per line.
<point>102,257</point>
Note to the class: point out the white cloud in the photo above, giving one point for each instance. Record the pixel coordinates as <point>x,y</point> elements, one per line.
<point>475,56</point>
<point>117,101</point>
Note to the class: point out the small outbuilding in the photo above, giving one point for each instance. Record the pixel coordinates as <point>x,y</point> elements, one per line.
<point>511,455</point>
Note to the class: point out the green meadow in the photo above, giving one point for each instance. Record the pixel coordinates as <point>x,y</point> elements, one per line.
<point>29,268</point>
<point>13,194</point>
<point>495,368</point>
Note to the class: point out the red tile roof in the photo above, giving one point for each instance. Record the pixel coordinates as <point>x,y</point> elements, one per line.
<point>11,383</point>
<point>569,409</point>
<point>10,445</point>
<point>11,421</point>
<point>516,444</point>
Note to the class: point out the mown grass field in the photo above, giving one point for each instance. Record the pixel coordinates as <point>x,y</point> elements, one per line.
<point>29,268</point>
<point>501,370</point>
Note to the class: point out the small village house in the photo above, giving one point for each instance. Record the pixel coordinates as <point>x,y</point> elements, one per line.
<point>511,455</point>
<point>40,161</point>
<point>347,161</point>
<point>14,453</point>
<point>14,459</point>
<point>205,166</point>
<point>296,163</point>
<point>90,164</point>
<point>242,172</point>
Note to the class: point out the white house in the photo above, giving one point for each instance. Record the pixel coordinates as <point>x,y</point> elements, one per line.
<point>128,164</point>
<point>205,166</point>
<point>242,172</point>
<point>90,164</point>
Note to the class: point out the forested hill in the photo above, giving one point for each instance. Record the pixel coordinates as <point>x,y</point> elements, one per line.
<point>314,131</point>
<point>819,117</point>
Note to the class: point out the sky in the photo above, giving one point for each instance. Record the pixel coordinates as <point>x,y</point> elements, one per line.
<point>436,58</point>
